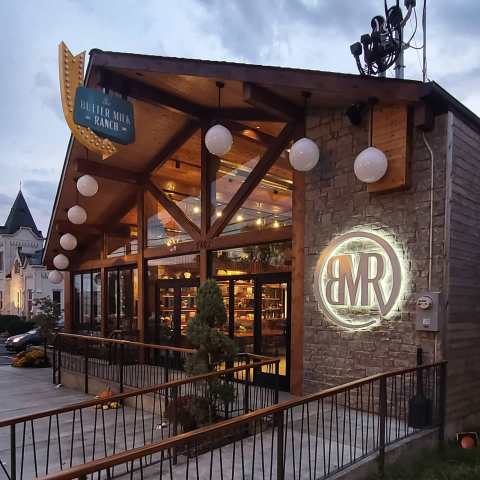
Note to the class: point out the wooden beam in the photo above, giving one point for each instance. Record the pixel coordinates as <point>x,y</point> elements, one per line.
<point>253,237</point>
<point>141,267</point>
<point>270,102</point>
<point>206,185</point>
<point>248,133</point>
<point>97,169</point>
<point>298,262</point>
<point>175,142</point>
<point>97,263</point>
<point>67,302</point>
<point>163,251</point>
<point>174,210</point>
<point>63,226</point>
<point>256,175</point>
<point>148,93</point>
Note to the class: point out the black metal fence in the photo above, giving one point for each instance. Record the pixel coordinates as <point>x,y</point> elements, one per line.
<point>122,362</point>
<point>54,440</point>
<point>313,437</point>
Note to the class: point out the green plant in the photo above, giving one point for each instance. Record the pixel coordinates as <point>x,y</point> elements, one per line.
<point>34,358</point>
<point>14,325</point>
<point>47,317</point>
<point>213,349</point>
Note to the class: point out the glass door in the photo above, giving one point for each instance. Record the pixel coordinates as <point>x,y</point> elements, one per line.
<point>272,335</point>
<point>244,314</point>
<point>164,325</point>
<point>188,306</point>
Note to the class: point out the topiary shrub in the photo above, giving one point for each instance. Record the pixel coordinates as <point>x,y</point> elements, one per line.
<point>213,348</point>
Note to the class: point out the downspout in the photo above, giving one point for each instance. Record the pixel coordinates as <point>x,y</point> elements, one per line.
<point>430,233</point>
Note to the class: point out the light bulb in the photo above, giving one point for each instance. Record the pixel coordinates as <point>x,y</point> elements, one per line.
<point>77,215</point>
<point>218,140</point>
<point>55,277</point>
<point>68,241</point>
<point>304,155</point>
<point>370,165</point>
<point>87,185</point>
<point>60,261</point>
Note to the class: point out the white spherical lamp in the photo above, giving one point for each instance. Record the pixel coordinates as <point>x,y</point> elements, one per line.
<point>87,185</point>
<point>68,241</point>
<point>77,215</point>
<point>55,277</point>
<point>370,165</point>
<point>304,155</point>
<point>218,140</point>
<point>60,261</point>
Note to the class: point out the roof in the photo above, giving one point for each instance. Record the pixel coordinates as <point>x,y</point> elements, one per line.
<point>169,94</point>
<point>20,216</point>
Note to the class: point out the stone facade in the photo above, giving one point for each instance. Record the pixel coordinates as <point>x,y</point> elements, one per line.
<point>336,202</point>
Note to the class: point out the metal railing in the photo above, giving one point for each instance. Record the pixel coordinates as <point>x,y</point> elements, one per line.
<point>123,362</point>
<point>313,437</point>
<point>49,441</point>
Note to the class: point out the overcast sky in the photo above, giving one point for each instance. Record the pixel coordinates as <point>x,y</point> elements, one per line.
<point>313,34</point>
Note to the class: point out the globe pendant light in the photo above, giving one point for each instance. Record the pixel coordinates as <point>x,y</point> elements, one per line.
<point>55,277</point>
<point>60,261</point>
<point>77,215</point>
<point>68,241</point>
<point>370,165</point>
<point>87,185</point>
<point>218,138</point>
<point>304,155</point>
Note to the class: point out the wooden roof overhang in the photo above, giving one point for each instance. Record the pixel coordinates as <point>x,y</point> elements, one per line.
<point>173,100</point>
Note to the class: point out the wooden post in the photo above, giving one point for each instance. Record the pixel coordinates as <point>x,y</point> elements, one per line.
<point>207,197</point>
<point>141,267</point>
<point>298,232</point>
<point>104,300</point>
<point>67,302</point>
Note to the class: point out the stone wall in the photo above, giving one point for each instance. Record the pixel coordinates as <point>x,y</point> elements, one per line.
<point>336,202</point>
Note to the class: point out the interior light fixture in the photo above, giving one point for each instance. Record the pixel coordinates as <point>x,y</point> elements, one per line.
<point>239,218</point>
<point>218,138</point>
<point>276,224</point>
<point>196,209</point>
<point>258,221</point>
<point>218,213</point>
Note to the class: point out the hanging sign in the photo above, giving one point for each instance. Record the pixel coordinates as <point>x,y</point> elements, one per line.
<point>106,115</point>
<point>71,77</point>
<point>359,279</point>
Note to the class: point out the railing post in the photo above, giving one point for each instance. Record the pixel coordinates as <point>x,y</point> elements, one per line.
<point>278,424</point>
<point>277,379</point>
<point>59,366</point>
<point>13,453</point>
<point>54,361</point>
<point>175,423</point>
<point>246,401</point>
<point>121,365</point>
<point>442,402</point>
<point>86,367</point>
<point>382,425</point>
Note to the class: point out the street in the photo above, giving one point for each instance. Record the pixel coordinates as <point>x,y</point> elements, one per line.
<point>5,357</point>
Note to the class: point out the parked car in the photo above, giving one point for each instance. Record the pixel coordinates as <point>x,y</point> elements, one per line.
<point>17,343</point>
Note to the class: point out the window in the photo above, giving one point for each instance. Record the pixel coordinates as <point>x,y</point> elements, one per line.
<point>86,304</point>
<point>1,299</point>
<point>29,302</point>
<point>1,261</point>
<point>57,299</point>
<point>122,301</point>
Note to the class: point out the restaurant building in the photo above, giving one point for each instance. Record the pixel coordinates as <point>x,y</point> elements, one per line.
<point>340,278</point>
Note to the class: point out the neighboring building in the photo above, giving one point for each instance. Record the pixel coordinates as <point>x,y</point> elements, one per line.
<point>23,278</point>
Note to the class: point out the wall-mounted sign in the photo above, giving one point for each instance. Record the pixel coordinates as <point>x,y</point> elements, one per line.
<point>71,77</point>
<point>359,279</point>
<point>109,116</point>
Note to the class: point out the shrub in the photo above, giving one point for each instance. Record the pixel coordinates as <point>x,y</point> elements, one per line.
<point>14,325</point>
<point>34,358</point>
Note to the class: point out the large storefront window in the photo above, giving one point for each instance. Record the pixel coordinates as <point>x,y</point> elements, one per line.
<point>171,303</point>
<point>87,302</point>
<point>254,259</point>
<point>122,302</point>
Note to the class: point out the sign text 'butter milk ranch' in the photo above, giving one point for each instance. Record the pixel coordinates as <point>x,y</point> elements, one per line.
<point>106,115</point>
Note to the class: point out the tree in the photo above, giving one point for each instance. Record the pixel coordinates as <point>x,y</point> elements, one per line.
<point>213,349</point>
<point>47,317</point>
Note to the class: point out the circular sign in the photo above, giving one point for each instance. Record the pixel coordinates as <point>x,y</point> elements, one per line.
<point>358,279</point>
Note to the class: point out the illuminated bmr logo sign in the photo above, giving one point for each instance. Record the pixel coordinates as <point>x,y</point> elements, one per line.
<point>359,279</point>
